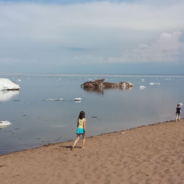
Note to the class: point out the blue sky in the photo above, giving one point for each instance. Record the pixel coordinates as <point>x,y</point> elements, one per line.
<point>87,36</point>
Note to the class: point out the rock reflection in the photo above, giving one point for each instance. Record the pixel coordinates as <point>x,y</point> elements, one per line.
<point>101,91</point>
<point>7,95</point>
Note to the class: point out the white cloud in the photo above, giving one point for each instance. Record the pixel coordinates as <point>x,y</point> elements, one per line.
<point>167,48</point>
<point>57,22</point>
<point>115,32</point>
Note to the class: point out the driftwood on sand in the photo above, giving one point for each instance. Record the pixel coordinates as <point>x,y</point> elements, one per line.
<point>101,84</point>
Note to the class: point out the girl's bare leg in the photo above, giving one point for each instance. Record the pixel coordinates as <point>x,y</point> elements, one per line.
<point>78,137</point>
<point>83,141</point>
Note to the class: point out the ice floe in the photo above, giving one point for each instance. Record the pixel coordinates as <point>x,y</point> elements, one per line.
<point>61,99</point>
<point>6,84</point>
<point>4,124</point>
<point>54,99</point>
<point>142,87</point>
<point>77,99</point>
<point>151,83</point>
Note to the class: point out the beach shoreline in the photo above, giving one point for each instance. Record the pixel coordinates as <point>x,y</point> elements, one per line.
<point>71,141</point>
<point>150,153</point>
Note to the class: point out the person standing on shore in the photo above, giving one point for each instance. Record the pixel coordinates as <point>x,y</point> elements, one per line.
<point>81,129</point>
<point>178,112</point>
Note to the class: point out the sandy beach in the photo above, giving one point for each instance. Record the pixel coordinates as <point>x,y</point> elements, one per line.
<point>152,154</point>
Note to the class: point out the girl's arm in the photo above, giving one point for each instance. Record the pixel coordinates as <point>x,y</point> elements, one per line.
<point>77,123</point>
<point>84,125</point>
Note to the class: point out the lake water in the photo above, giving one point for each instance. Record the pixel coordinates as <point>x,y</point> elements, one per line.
<point>37,122</point>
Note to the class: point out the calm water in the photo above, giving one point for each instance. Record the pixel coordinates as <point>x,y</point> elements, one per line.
<point>37,122</point>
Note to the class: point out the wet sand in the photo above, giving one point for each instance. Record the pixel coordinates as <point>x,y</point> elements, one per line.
<point>152,154</point>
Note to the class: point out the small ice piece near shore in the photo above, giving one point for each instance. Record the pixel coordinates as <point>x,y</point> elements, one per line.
<point>77,99</point>
<point>54,99</point>
<point>142,87</point>
<point>6,84</point>
<point>19,80</point>
<point>151,83</point>
<point>4,123</point>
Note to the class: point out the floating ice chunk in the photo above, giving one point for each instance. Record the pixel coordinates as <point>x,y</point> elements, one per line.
<point>54,99</point>
<point>151,83</point>
<point>19,80</point>
<point>142,87</point>
<point>6,84</point>
<point>4,123</point>
<point>143,80</point>
<point>77,99</point>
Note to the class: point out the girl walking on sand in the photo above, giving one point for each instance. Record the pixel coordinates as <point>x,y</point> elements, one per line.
<point>178,112</point>
<point>81,129</point>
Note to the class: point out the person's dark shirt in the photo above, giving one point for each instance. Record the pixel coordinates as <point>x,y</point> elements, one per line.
<point>178,109</point>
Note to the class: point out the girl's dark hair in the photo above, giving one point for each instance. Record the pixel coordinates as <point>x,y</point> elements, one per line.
<point>81,115</point>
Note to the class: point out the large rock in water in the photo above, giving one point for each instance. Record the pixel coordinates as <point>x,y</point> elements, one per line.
<point>6,84</point>
<point>101,84</point>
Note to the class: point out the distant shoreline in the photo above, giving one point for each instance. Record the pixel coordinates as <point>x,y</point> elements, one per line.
<point>127,75</point>
<point>101,134</point>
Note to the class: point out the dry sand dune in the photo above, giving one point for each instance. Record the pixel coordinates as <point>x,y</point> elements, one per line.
<point>151,154</point>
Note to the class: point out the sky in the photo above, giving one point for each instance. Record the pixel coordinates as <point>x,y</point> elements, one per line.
<point>92,37</point>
